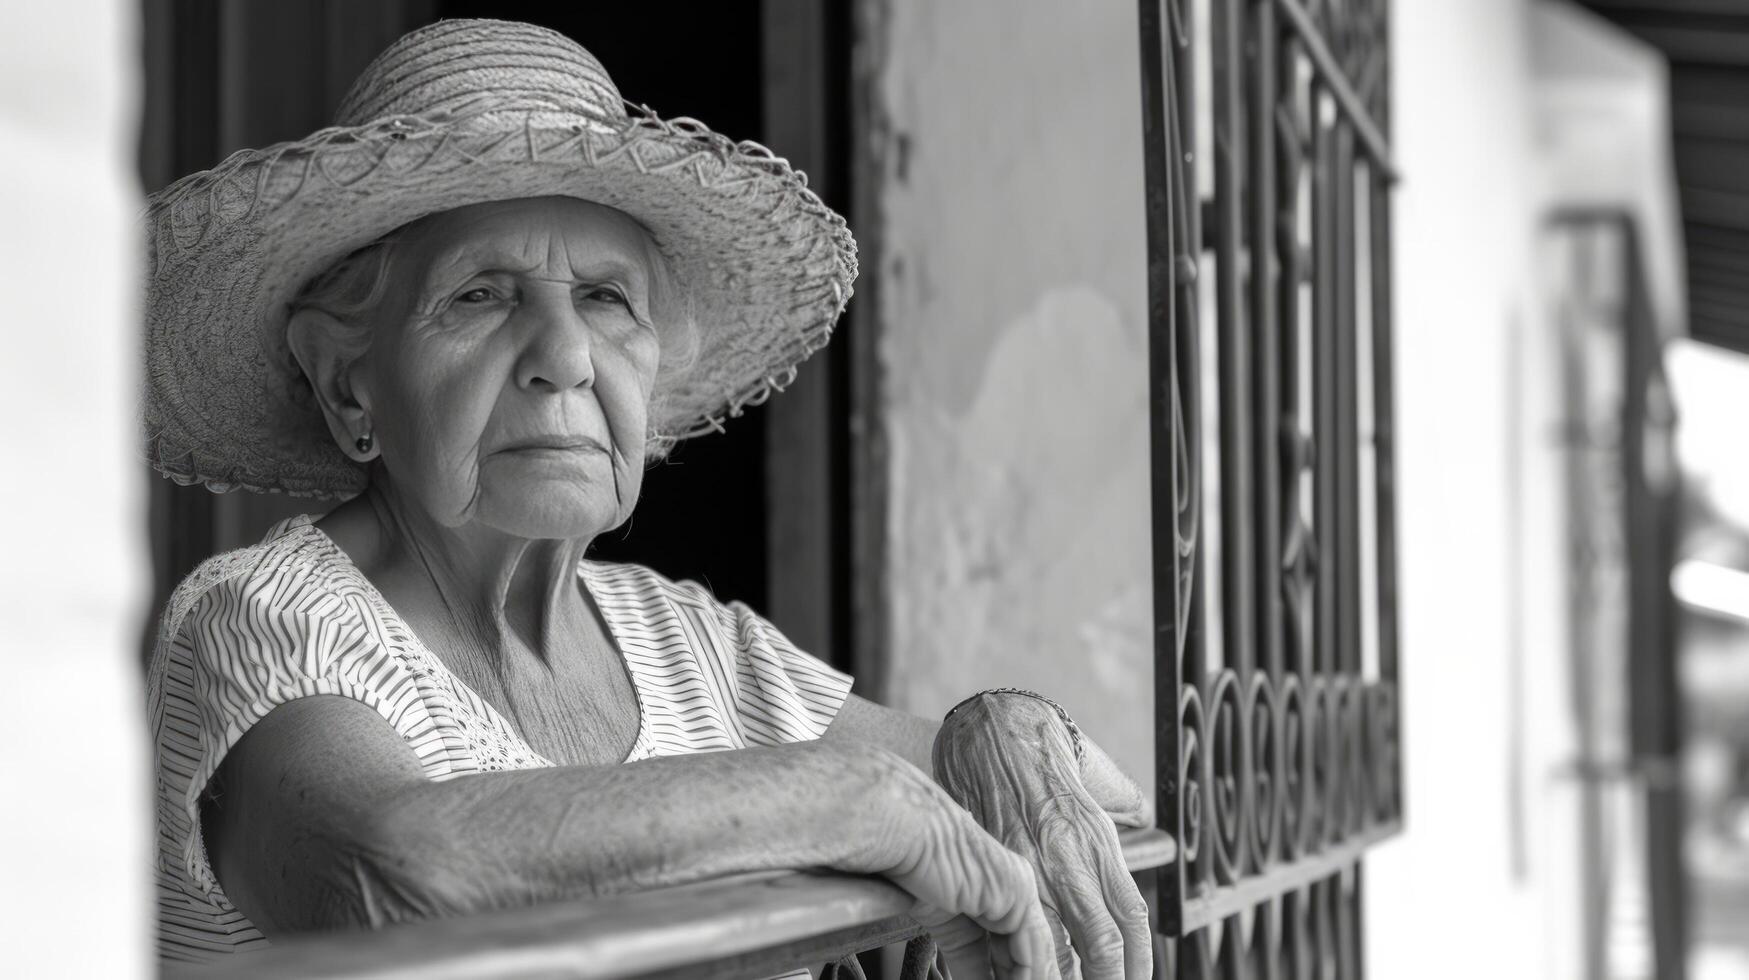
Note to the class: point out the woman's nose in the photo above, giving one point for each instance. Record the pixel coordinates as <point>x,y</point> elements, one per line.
<point>556,353</point>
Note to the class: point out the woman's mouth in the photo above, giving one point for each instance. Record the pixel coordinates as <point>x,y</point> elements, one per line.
<point>554,444</point>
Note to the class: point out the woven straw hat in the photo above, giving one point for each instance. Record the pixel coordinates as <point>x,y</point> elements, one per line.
<point>458,113</point>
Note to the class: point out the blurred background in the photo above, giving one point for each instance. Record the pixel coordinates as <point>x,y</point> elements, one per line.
<point>957,494</point>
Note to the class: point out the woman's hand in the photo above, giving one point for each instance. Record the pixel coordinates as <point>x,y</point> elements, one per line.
<point>1009,761</point>
<point>976,898</point>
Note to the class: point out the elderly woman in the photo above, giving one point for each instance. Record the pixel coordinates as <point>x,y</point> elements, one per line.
<point>475,310</point>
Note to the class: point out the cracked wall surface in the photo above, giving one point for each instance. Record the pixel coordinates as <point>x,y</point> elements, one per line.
<point>1012,263</point>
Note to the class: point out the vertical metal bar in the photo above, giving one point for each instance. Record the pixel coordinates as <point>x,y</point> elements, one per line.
<point>1187,340</point>
<point>1342,457</point>
<point>1235,961</point>
<point>1233,350</point>
<point>1265,516</point>
<point>1328,912</point>
<point>1295,124</point>
<point>1183,61</point>
<point>1384,424</point>
<point>1291,129</point>
<point>1161,178</point>
<point>1347,894</point>
<point>1323,354</point>
<point>1384,431</point>
<point>1266,947</point>
<point>1357,924</point>
<point>1295,954</point>
<point>1197,957</point>
<point>1378,307</point>
<point>1264,513</point>
<point>1238,618</point>
<point>1347,457</point>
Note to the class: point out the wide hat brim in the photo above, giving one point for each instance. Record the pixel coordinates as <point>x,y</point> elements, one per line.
<point>768,266</point>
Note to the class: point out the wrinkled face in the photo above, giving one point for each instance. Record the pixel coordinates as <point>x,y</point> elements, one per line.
<point>509,376</point>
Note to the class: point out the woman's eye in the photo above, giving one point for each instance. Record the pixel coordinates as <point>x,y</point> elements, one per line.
<point>605,294</point>
<point>479,294</point>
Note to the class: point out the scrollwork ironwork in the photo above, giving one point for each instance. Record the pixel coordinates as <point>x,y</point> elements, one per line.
<point>1296,760</point>
<point>1267,768</point>
<point>1284,752</point>
<point>1192,776</point>
<point>1228,739</point>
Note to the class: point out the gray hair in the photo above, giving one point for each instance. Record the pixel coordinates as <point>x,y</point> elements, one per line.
<point>352,291</point>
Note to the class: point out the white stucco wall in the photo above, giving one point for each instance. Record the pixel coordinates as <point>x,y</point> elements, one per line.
<point>1510,111</point>
<point>1465,880</point>
<point>76,819</point>
<point>1014,344</point>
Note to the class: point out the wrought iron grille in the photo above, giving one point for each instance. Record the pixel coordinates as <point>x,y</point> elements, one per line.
<point>1277,701</point>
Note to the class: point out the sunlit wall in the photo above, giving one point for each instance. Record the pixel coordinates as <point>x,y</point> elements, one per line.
<point>74,897</point>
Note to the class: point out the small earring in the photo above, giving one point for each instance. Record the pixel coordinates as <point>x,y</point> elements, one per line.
<point>363,443</point>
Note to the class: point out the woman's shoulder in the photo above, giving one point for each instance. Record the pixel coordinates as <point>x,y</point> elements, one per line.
<point>631,580</point>
<point>697,648</point>
<point>292,567</point>
<point>639,593</point>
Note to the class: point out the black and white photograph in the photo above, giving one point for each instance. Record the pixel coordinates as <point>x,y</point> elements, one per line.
<point>875,489</point>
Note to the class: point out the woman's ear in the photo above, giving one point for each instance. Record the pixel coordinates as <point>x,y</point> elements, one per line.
<point>327,349</point>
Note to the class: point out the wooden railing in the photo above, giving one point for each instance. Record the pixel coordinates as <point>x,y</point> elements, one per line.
<point>751,925</point>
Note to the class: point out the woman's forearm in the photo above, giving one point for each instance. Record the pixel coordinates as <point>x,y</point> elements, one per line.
<point>910,737</point>
<point>511,838</point>
<point>323,818</point>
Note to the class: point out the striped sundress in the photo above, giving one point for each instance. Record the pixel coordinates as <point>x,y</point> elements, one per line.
<point>293,617</point>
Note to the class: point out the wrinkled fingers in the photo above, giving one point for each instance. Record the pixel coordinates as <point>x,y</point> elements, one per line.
<point>1005,936</point>
<point>1081,864</point>
<point>1098,942</point>
<point>1130,911</point>
<point>1019,942</point>
<point>1066,965</point>
<point>960,874</point>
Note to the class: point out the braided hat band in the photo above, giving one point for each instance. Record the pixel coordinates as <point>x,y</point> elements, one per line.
<point>458,113</point>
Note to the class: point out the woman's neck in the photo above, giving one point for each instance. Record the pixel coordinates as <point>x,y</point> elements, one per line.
<point>493,585</point>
